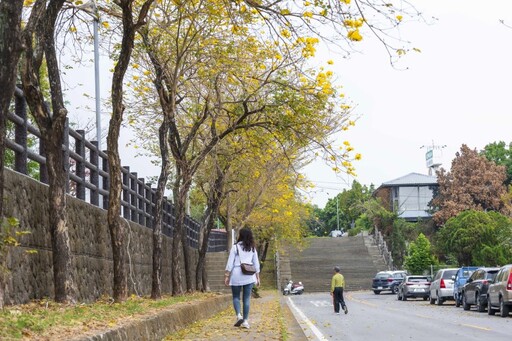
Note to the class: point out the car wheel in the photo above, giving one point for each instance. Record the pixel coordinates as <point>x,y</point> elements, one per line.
<point>394,289</point>
<point>504,309</point>
<point>458,299</point>
<point>432,301</point>
<point>490,311</point>
<point>480,307</point>
<point>439,300</point>
<point>425,298</point>
<point>465,304</point>
<point>398,297</point>
<point>404,298</point>
<point>376,292</point>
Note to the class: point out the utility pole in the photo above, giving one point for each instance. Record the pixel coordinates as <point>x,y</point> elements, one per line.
<point>337,214</point>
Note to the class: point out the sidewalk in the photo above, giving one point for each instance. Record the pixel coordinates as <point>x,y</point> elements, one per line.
<point>270,319</point>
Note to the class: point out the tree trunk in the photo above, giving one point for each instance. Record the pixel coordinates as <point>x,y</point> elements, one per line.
<point>10,50</point>
<point>156,287</point>
<point>263,255</point>
<point>214,200</point>
<point>116,227</point>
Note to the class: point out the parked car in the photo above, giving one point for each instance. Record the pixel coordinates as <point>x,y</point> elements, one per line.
<point>414,287</point>
<point>460,279</point>
<point>387,281</point>
<point>441,288</point>
<point>474,291</point>
<point>499,294</point>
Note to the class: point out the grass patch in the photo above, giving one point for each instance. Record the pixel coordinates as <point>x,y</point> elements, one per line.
<point>45,318</point>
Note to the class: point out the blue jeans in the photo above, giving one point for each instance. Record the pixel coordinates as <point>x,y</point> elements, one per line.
<point>247,289</point>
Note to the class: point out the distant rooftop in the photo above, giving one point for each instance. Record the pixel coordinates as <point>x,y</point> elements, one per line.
<point>411,179</point>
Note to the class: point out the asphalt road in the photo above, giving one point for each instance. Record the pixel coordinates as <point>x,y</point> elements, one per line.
<point>383,317</point>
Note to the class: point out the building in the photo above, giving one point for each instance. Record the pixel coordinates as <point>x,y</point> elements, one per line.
<point>408,195</point>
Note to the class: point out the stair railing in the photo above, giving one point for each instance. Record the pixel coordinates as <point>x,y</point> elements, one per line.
<point>383,248</point>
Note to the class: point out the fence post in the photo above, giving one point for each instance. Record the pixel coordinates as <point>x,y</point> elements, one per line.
<point>133,197</point>
<point>80,165</point>
<point>93,159</point>
<point>142,199</point>
<point>65,153</point>
<point>126,194</point>
<point>106,181</point>
<point>20,135</point>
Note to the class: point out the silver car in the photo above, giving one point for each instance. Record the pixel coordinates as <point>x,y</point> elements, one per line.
<point>413,287</point>
<point>499,294</point>
<point>441,288</point>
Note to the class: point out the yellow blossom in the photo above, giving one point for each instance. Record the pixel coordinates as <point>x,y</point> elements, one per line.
<point>330,62</point>
<point>358,156</point>
<point>105,24</point>
<point>346,143</point>
<point>308,14</point>
<point>345,1</point>
<point>72,29</point>
<point>399,17</point>
<point>354,35</point>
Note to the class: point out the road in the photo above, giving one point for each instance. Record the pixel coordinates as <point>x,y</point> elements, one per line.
<point>383,317</point>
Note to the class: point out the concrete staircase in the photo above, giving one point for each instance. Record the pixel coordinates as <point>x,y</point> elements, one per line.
<point>314,265</point>
<point>216,263</point>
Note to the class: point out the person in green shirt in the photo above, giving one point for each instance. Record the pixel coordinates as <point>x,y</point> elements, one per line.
<point>337,285</point>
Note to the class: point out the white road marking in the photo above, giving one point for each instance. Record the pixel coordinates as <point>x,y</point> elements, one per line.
<point>305,320</point>
<point>321,303</point>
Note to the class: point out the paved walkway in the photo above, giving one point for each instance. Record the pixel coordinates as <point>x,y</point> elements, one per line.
<point>270,319</point>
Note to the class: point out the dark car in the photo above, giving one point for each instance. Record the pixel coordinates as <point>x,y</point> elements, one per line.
<point>414,287</point>
<point>474,291</point>
<point>387,281</point>
<point>460,279</point>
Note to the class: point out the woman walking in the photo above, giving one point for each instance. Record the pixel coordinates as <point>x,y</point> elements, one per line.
<point>244,251</point>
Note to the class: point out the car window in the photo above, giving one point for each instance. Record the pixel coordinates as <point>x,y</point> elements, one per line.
<point>478,274</point>
<point>491,274</point>
<point>382,275</point>
<point>417,279</point>
<point>499,276</point>
<point>438,275</point>
<point>449,273</point>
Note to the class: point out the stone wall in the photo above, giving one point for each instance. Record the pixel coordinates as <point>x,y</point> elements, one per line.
<point>31,274</point>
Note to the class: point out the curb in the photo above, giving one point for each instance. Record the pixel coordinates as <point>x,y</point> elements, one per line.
<point>295,331</point>
<point>163,323</point>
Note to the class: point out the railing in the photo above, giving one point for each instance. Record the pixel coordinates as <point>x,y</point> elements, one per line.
<point>383,249</point>
<point>88,178</point>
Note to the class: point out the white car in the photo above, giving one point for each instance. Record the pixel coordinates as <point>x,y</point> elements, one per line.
<point>336,233</point>
<point>441,288</point>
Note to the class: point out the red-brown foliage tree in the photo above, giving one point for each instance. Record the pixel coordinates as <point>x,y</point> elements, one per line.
<point>472,183</point>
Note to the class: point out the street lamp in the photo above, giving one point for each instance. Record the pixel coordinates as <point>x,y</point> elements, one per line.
<point>91,8</point>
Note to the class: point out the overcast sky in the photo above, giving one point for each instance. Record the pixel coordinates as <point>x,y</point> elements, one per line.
<point>457,90</point>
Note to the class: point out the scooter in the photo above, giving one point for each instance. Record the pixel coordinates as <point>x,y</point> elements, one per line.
<point>293,288</point>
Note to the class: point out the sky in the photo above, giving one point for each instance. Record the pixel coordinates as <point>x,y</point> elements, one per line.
<point>456,91</point>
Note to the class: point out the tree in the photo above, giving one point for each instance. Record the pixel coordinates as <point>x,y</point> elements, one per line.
<point>346,206</point>
<point>39,41</point>
<point>131,22</point>
<point>472,183</point>
<point>500,154</point>
<point>419,257</point>
<point>477,237</point>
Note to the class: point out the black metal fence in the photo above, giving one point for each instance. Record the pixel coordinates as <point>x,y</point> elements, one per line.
<point>88,178</point>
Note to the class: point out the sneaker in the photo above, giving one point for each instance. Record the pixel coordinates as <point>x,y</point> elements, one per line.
<point>245,324</point>
<point>239,320</point>
<point>337,313</point>
<point>345,309</point>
